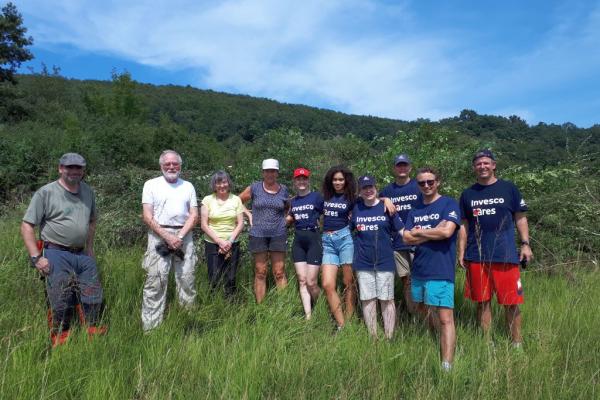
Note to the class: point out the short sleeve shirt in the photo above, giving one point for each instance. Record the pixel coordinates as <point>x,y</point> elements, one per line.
<point>404,197</point>
<point>222,216</point>
<point>268,211</point>
<point>435,259</point>
<point>171,202</point>
<point>64,217</point>
<point>373,240</point>
<point>307,210</point>
<point>336,213</point>
<point>489,210</point>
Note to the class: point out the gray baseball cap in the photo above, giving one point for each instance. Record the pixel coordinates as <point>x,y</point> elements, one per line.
<point>72,159</point>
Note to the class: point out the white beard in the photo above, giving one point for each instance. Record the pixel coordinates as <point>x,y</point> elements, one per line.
<point>171,176</point>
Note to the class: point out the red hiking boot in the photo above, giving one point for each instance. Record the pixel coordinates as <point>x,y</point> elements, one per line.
<point>94,331</point>
<point>61,338</point>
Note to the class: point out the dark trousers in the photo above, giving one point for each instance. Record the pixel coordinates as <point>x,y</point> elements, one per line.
<point>220,268</point>
<point>73,277</point>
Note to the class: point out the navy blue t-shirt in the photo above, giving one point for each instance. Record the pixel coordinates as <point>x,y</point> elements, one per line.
<point>435,259</point>
<point>404,197</point>
<point>489,210</point>
<point>336,213</point>
<point>307,210</point>
<point>373,240</point>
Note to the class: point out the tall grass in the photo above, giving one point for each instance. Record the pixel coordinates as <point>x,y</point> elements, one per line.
<point>243,350</point>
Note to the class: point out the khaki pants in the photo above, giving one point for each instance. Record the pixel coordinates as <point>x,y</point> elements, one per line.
<point>157,276</point>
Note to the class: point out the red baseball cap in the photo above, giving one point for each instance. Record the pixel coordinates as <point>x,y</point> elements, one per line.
<point>301,172</point>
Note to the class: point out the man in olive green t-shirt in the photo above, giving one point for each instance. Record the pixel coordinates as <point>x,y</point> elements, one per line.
<point>65,211</point>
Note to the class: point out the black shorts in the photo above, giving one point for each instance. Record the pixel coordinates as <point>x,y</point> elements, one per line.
<point>270,243</point>
<point>307,247</point>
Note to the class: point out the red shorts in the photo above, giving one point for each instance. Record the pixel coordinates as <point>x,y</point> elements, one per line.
<point>504,279</point>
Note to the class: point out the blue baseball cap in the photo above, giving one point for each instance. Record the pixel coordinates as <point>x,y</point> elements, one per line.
<point>402,158</point>
<point>484,153</point>
<point>365,181</point>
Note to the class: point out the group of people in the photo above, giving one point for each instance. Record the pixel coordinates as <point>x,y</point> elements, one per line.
<point>407,229</point>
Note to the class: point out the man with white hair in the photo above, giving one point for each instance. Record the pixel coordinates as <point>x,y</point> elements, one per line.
<point>170,210</point>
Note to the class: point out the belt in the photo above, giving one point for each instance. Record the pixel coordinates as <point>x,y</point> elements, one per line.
<point>313,229</point>
<point>54,246</point>
<point>172,226</point>
<point>334,231</point>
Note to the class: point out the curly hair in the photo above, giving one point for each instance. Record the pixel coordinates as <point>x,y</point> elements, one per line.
<point>349,185</point>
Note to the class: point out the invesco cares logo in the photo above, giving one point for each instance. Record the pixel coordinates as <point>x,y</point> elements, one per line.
<point>427,218</point>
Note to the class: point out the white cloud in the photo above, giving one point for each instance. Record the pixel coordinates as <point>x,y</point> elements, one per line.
<point>279,49</point>
<point>336,53</point>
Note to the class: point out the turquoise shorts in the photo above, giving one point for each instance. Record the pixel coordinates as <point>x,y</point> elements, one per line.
<point>438,293</point>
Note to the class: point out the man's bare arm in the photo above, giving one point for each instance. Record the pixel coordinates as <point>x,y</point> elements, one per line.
<point>525,252</point>
<point>148,217</point>
<point>444,230</point>
<point>462,242</point>
<point>89,242</point>
<point>28,234</point>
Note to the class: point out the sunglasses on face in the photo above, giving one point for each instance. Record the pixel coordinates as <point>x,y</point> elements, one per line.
<point>428,182</point>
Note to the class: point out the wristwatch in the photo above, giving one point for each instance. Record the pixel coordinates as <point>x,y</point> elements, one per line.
<point>524,242</point>
<point>34,260</point>
<point>180,237</point>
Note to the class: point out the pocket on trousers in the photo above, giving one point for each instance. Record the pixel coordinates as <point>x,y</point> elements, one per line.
<point>150,259</point>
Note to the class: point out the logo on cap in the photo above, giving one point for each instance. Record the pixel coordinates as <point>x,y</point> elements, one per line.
<point>301,172</point>
<point>402,158</point>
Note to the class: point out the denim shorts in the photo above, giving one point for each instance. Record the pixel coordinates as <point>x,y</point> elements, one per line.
<point>438,293</point>
<point>338,247</point>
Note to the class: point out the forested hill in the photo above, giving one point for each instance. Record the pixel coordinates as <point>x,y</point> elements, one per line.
<point>237,119</point>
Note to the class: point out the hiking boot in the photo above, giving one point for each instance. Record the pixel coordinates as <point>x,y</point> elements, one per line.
<point>94,331</point>
<point>61,338</point>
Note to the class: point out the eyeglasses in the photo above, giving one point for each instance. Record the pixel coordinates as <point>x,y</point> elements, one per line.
<point>428,182</point>
<point>171,164</point>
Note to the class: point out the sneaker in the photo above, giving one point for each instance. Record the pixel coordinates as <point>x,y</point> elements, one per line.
<point>518,347</point>
<point>446,366</point>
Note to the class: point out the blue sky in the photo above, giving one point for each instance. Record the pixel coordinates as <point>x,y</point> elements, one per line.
<point>539,60</point>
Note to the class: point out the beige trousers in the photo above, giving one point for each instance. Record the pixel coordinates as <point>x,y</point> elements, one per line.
<point>157,276</point>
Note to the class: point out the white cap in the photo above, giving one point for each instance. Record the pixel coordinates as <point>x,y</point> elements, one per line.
<point>270,163</point>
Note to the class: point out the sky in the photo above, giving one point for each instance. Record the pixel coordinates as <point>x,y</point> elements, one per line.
<point>539,60</point>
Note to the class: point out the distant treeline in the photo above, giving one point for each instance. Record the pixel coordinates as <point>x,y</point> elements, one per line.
<point>237,118</point>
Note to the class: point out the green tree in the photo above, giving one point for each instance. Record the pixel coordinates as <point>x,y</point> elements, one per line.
<point>13,43</point>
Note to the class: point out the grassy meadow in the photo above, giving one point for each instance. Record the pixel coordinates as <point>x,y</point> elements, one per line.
<point>243,350</point>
